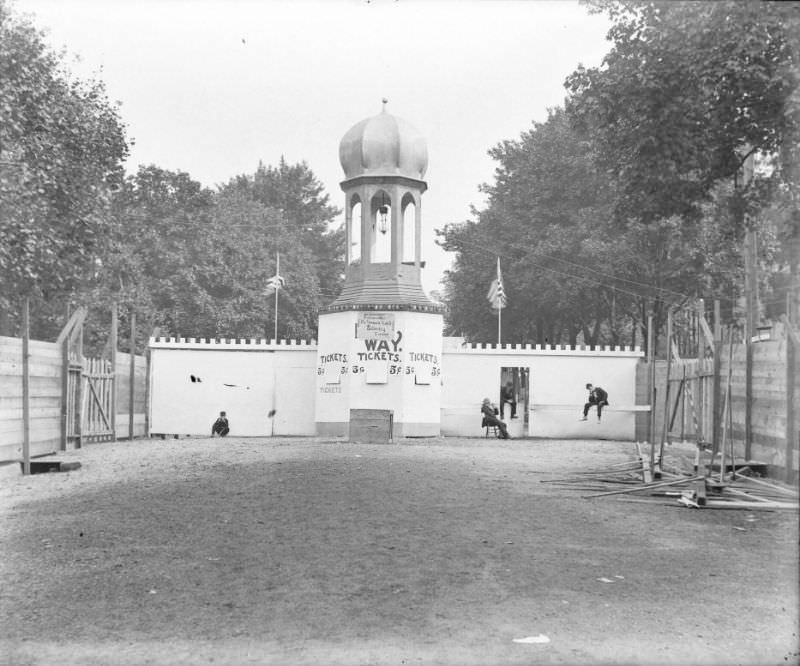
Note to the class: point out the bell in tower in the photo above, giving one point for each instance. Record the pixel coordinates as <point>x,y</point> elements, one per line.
<point>380,341</point>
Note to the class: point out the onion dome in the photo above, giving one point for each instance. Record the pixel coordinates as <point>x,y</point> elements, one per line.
<point>383,145</point>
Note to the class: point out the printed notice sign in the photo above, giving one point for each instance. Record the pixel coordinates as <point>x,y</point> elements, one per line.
<point>375,326</point>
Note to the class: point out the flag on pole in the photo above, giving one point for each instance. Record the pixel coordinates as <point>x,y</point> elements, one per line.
<point>497,295</point>
<point>274,283</point>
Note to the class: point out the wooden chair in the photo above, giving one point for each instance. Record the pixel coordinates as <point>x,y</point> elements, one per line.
<point>488,426</point>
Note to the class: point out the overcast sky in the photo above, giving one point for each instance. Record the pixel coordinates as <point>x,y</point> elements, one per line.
<point>212,88</point>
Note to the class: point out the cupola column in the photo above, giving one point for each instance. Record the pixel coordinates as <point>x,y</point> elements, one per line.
<point>397,229</point>
<point>418,232</point>
<point>366,218</point>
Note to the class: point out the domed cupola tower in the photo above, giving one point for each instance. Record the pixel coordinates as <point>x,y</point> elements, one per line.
<point>383,323</point>
<point>384,161</point>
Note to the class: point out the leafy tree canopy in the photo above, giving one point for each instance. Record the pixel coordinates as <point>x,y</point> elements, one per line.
<point>687,90</point>
<point>195,262</point>
<point>62,145</point>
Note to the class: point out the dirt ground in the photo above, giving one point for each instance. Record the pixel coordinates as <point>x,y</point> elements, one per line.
<point>310,551</point>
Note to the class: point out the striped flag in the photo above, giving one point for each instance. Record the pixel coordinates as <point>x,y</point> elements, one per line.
<point>274,283</point>
<point>497,295</point>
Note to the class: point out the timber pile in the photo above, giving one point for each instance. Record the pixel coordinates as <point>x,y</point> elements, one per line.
<point>733,487</point>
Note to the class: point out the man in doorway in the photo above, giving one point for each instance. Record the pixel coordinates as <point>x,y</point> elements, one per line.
<point>598,397</point>
<point>507,396</point>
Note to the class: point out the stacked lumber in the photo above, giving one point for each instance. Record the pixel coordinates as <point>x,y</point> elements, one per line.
<point>631,480</point>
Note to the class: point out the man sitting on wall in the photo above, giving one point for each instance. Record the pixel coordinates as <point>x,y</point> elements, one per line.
<point>490,418</point>
<point>597,397</point>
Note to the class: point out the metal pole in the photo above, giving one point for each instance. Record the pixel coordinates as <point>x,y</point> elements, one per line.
<point>26,388</point>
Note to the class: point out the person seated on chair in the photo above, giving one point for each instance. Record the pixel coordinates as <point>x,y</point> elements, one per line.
<point>220,426</point>
<point>490,418</point>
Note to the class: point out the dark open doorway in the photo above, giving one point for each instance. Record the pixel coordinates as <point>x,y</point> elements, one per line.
<point>515,395</point>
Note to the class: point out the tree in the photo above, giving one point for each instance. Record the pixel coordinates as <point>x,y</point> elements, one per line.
<point>688,92</point>
<point>684,88</point>
<point>158,218</point>
<point>196,262</point>
<point>62,145</point>
<point>547,220</point>
<point>573,273</point>
<point>294,191</point>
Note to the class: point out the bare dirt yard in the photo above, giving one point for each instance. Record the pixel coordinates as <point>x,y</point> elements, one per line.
<point>446,551</point>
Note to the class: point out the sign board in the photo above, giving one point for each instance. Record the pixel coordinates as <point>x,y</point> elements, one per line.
<point>375,326</point>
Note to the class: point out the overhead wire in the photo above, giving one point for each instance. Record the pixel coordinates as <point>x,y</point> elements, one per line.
<point>484,247</point>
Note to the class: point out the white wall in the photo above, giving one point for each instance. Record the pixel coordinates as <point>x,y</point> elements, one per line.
<point>249,379</point>
<point>244,380</point>
<point>558,377</point>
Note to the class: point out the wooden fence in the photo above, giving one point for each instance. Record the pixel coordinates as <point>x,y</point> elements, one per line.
<point>71,399</point>
<point>766,406</point>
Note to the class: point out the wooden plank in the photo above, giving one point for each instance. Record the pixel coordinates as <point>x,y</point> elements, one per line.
<point>34,412</point>
<point>709,338</point>
<point>646,487</point>
<point>36,368</point>
<point>76,319</point>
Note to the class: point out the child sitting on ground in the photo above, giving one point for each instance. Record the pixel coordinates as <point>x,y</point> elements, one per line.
<point>220,426</point>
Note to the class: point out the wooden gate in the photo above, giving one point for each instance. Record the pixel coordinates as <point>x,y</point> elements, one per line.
<point>88,390</point>
<point>90,401</point>
<point>97,424</point>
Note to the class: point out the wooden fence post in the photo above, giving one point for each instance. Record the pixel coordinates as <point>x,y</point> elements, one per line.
<point>80,397</point>
<point>792,341</point>
<point>113,345</point>
<point>665,425</point>
<point>715,401</point>
<point>651,390</point>
<point>132,378</point>
<point>700,337</point>
<point>147,390</point>
<point>65,401</point>
<point>26,388</point>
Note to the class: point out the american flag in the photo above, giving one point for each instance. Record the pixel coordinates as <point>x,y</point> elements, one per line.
<point>274,283</point>
<point>497,294</point>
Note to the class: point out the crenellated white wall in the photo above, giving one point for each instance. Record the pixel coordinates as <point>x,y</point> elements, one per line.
<point>245,378</point>
<point>558,376</point>
<point>248,378</point>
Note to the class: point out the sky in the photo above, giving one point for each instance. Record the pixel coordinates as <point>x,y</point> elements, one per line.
<point>214,87</point>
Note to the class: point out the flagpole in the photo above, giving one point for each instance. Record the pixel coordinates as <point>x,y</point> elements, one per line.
<point>499,317</point>
<point>277,289</point>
